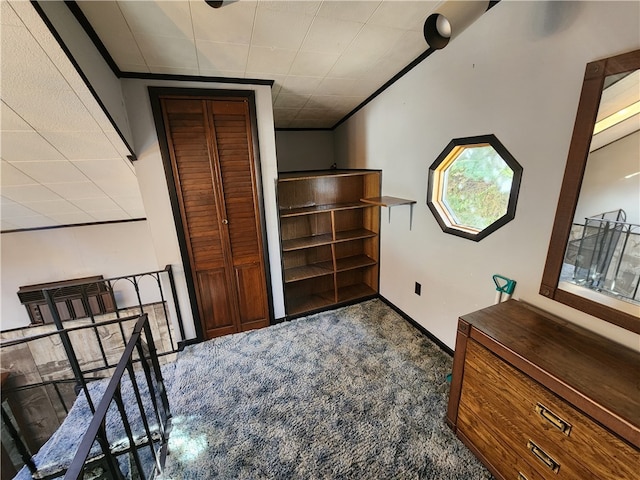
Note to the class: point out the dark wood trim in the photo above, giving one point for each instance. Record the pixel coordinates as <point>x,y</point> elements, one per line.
<point>77,12</point>
<point>594,77</point>
<point>75,64</point>
<point>195,78</point>
<point>419,327</point>
<point>70,225</point>
<point>393,80</point>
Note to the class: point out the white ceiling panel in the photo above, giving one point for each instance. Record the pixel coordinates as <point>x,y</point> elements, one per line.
<point>52,207</point>
<point>173,19</point>
<point>51,172</point>
<point>71,218</point>
<point>27,146</point>
<point>313,64</point>
<point>114,170</point>
<point>291,100</point>
<point>28,193</point>
<point>37,221</point>
<point>97,204</point>
<point>110,215</point>
<point>213,25</point>
<point>307,7</point>
<point>44,112</point>
<point>329,35</point>
<point>76,190</point>
<point>280,29</point>
<point>13,176</point>
<point>403,15</point>
<point>11,209</point>
<point>6,225</point>
<point>88,146</point>
<point>269,60</point>
<point>222,56</point>
<point>348,10</point>
<point>164,51</point>
<point>11,121</point>
<point>300,85</point>
<point>8,16</point>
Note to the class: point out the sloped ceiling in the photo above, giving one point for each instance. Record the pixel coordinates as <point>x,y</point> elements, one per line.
<point>62,161</point>
<point>325,57</point>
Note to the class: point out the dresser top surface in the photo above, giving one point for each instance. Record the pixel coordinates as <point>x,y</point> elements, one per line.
<point>592,366</point>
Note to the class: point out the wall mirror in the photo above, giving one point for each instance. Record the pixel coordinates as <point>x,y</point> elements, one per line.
<point>593,262</point>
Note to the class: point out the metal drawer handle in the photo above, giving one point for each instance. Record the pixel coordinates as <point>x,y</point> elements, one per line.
<point>553,419</point>
<point>522,476</point>
<point>543,457</point>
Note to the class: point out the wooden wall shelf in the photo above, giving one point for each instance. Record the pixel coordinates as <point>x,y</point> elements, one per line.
<point>329,237</point>
<point>386,201</point>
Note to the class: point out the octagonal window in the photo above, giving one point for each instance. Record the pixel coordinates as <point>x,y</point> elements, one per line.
<point>473,187</point>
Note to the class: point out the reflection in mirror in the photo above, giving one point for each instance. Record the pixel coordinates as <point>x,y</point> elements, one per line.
<point>593,259</point>
<point>603,252</point>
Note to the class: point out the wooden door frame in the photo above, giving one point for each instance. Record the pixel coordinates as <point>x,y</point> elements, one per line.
<point>155,93</point>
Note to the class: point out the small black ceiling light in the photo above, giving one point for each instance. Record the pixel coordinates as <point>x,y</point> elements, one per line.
<point>214,3</point>
<point>450,19</point>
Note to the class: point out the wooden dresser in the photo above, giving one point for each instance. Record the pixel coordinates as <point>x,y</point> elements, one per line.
<point>535,397</point>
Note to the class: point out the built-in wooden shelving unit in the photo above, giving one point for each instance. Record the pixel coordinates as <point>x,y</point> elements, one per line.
<point>329,237</point>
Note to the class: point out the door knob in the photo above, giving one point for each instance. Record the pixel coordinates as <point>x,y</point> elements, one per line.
<point>225,221</point>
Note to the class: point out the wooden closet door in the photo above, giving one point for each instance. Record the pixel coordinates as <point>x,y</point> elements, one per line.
<point>210,145</point>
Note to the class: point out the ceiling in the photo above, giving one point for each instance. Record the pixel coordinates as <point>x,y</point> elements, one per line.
<point>325,57</point>
<point>63,163</point>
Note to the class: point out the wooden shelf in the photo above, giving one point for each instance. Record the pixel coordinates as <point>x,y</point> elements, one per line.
<point>325,239</point>
<point>311,270</point>
<point>392,202</point>
<point>387,201</point>
<point>306,303</point>
<point>356,234</point>
<point>307,242</point>
<point>353,292</point>
<point>312,209</point>
<point>351,263</point>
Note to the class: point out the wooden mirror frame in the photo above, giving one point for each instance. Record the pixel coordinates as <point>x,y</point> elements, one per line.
<point>576,163</point>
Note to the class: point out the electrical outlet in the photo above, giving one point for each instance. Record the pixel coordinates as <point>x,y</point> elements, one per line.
<point>418,289</point>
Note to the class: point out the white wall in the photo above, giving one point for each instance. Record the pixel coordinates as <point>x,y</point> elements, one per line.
<point>155,194</point>
<point>517,73</point>
<point>40,256</point>
<point>304,150</point>
<point>604,186</point>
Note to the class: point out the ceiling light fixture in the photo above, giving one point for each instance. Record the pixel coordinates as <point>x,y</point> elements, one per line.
<point>617,117</point>
<point>450,19</point>
<point>214,3</point>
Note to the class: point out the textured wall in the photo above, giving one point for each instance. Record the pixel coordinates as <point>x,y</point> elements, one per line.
<point>517,73</point>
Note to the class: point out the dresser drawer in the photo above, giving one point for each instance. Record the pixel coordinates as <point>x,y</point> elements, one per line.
<point>550,435</point>
<point>498,452</point>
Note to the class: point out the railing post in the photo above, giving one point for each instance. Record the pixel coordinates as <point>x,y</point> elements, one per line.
<point>22,449</point>
<point>68,348</point>
<point>176,305</point>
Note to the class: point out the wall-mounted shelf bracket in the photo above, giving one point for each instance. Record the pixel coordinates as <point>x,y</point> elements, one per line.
<point>392,202</point>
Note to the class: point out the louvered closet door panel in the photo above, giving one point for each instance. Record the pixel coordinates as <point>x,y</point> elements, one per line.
<point>235,156</point>
<point>198,194</point>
